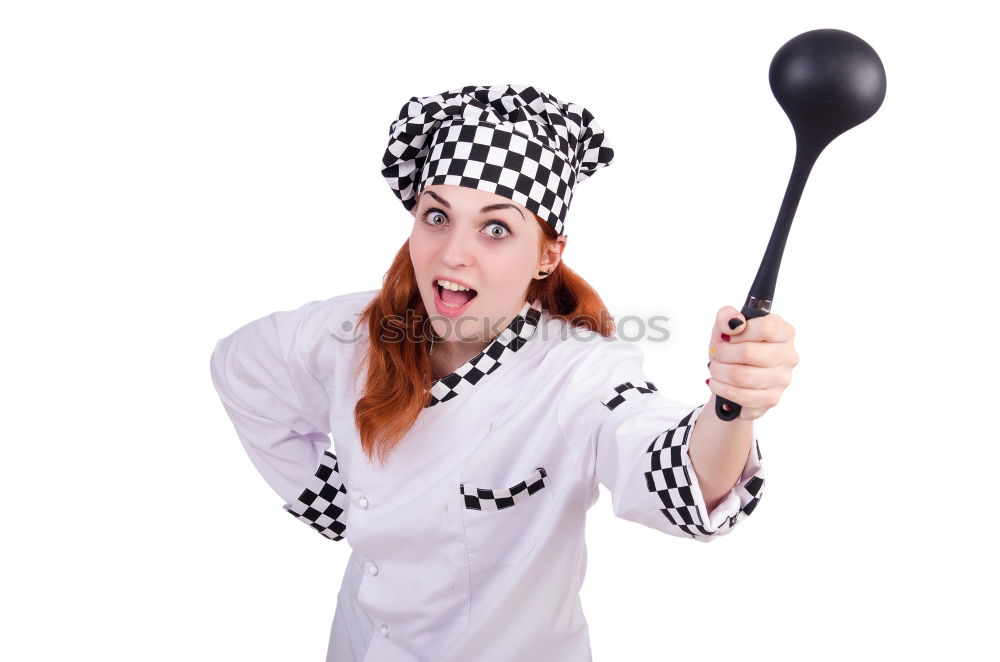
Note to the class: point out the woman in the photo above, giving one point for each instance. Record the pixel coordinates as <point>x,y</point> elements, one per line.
<point>479,397</point>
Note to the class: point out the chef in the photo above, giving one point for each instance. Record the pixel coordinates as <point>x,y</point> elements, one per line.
<point>453,425</point>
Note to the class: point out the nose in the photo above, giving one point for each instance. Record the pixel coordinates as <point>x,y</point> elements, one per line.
<point>457,249</point>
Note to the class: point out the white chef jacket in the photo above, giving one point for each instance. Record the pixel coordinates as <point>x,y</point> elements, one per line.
<point>468,545</point>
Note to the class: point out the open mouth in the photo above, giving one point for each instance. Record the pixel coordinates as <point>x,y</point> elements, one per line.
<point>453,298</point>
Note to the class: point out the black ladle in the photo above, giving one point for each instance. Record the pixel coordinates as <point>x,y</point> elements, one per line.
<point>826,81</point>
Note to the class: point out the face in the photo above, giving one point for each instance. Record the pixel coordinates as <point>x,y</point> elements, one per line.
<point>483,241</point>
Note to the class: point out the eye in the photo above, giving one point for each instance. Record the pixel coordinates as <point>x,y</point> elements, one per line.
<point>433,213</point>
<point>493,233</point>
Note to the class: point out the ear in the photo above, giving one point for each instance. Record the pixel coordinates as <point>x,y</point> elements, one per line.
<point>553,254</point>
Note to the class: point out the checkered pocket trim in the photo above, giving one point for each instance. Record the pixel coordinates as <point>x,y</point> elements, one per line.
<point>322,504</point>
<point>669,477</point>
<point>626,391</point>
<point>488,499</point>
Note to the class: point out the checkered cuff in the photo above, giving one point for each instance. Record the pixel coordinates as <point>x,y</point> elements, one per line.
<point>323,503</point>
<point>670,475</point>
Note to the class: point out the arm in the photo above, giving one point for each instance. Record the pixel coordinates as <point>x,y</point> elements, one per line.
<point>638,446</point>
<point>751,362</point>
<point>280,413</point>
<point>718,452</point>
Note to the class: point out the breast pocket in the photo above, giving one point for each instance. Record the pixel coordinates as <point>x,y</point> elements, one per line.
<point>503,523</point>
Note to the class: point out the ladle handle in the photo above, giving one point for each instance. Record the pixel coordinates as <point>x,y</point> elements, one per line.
<point>752,309</point>
<point>758,301</point>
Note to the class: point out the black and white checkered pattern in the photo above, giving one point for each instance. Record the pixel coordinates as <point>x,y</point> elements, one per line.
<point>511,339</point>
<point>626,391</point>
<point>516,141</point>
<point>322,504</point>
<point>670,478</point>
<point>496,159</point>
<point>489,499</point>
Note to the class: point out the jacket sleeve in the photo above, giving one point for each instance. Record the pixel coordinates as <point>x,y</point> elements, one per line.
<point>281,415</point>
<point>637,443</point>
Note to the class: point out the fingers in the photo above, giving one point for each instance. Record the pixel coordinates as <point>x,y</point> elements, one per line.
<point>769,328</point>
<point>752,363</point>
<point>722,324</point>
<point>750,354</point>
<point>749,377</point>
<point>756,400</point>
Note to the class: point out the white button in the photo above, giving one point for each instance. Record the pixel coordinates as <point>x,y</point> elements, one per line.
<point>384,630</point>
<point>372,568</point>
<point>363,502</point>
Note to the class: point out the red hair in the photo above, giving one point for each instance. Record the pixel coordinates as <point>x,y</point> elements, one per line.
<point>398,372</point>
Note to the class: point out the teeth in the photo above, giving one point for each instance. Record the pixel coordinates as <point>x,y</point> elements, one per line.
<point>452,286</point>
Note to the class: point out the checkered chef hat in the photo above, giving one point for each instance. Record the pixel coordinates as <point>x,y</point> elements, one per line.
<point>513,140</point>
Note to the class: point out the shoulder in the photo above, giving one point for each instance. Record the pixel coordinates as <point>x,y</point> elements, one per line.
<point>314,315</point>
<point>326,345</point>
<point>337,315</point>
<point>317,335</point>
<point>580,350</point>
<point>603,384</point>
<point>327,335</point>
<point>585,368</point>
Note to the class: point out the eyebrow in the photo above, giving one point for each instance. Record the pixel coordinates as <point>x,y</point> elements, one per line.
<point>500,205</point>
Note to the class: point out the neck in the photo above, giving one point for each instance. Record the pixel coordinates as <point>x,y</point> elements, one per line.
<point>447,356</point>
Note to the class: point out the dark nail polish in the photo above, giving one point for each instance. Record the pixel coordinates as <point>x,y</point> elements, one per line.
<point>734,323</point>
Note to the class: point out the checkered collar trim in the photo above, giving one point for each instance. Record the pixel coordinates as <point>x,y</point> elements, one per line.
<point>511,339</point>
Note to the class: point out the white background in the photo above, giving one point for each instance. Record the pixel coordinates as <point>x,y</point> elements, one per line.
<point>170,171</point>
